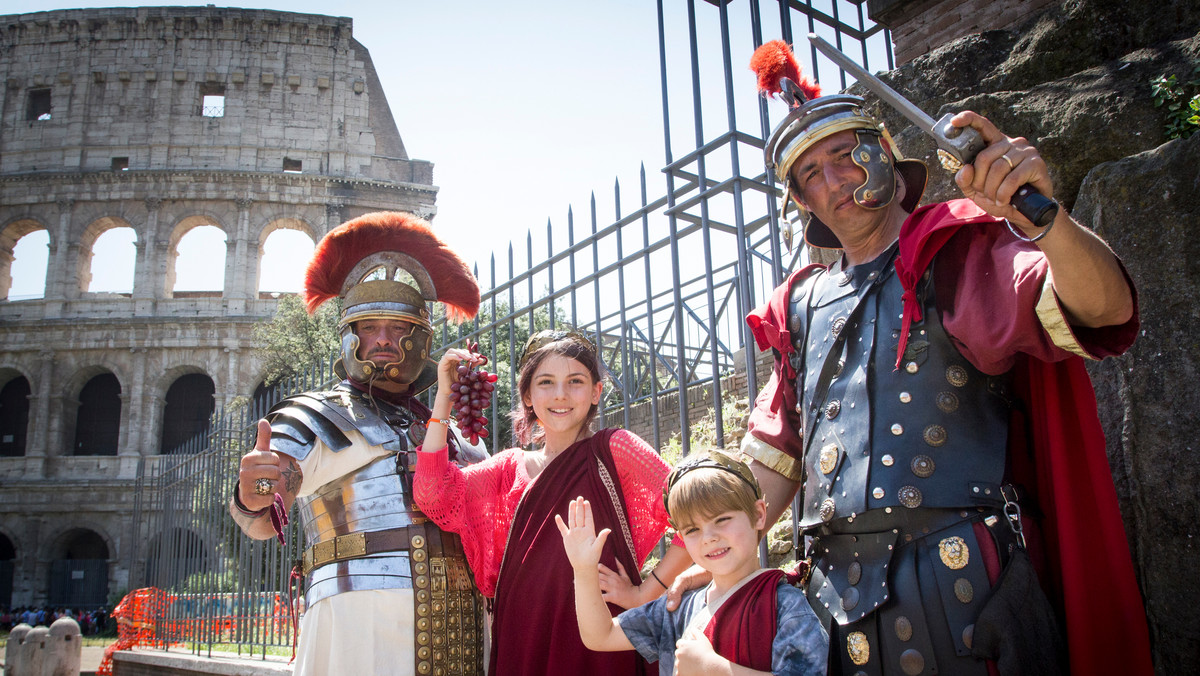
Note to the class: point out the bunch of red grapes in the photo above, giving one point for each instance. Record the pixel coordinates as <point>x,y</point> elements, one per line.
<point>470,395</point>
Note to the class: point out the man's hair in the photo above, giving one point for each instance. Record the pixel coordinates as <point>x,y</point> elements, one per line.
<point>707,492</point>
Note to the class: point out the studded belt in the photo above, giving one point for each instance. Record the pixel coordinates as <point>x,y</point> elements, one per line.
<point>357,545</point>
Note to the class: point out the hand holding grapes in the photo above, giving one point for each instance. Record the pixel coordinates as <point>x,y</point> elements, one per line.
<point>456,371</point>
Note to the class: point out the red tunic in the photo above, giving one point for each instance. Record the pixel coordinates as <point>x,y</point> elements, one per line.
<point>516,551</point>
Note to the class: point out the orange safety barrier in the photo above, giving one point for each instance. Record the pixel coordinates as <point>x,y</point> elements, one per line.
<point>142,621</point>
<point>137,617</point>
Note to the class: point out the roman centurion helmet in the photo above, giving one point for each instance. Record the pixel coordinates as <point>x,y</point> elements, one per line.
<point>389,265</point>
<point>814,117</point>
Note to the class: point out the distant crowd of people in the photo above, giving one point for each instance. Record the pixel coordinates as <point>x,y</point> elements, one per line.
<point>91,622</point>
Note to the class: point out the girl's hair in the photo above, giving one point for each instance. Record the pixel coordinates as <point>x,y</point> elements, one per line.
<point>540,345</point>
<point>707,491</point>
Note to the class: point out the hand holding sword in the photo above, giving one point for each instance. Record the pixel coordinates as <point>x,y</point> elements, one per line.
<point>992,169</point>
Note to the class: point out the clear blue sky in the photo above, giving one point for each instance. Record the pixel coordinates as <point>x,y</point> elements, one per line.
<point>524,107</point>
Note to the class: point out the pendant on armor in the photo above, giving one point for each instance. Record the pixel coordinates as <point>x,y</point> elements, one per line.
<point>909,496</point>
<point>954,552</point>
<point>956,375</point>
<point>922,466</point>
<point>828,458</point>
<point>963,590</point>
<point>838,325</point>
<point>935,435</point>
<point>904,630</point>
<point>827,508</point>
<point>858,647</point>
<point>947,402</point>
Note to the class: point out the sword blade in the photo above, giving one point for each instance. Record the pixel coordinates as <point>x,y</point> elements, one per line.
<point>884,92</point>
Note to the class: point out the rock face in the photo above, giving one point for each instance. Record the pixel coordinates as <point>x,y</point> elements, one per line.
<point>1145,206</point>
<point>1076,82</point>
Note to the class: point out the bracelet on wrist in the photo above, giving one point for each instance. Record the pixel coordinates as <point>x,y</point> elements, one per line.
<point>246,511</point>
<point>1021,236</point>
<point>664,585</point>
<point>443,421</point>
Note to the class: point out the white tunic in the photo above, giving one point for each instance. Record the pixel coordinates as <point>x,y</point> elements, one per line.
<point>359,632</point>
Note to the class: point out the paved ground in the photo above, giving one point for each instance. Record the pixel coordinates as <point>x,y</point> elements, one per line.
<point>90,658</point>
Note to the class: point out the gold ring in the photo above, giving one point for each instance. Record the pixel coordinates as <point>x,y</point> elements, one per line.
<point>1006,158</point>
<point>264,487</point>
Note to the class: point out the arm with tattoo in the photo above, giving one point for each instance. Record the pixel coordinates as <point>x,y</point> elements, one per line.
<point>262,463</point>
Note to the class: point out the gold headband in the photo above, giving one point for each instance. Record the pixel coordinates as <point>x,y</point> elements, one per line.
<point>547,336</point>
<point>710,460</point>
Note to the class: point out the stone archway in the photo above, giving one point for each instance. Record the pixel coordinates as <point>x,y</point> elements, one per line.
<point>189,405</point>
<point>98,420</point>
<point>14,416</point>
<point>8,559</point>
<point>79,570</point>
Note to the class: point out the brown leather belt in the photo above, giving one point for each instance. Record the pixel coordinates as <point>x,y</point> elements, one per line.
<point>358,545</point>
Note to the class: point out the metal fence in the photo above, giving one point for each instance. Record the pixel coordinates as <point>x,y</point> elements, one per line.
<point>662,285</point>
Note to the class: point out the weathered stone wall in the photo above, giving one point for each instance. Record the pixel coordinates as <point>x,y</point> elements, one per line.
<point>919,26</point>
<point>128,83</point>
<point>1076,81</point>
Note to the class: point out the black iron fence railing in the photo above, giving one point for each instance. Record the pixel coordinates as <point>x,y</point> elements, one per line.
<point>661,286</point>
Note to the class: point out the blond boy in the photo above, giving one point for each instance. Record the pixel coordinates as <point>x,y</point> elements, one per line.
<point>746,621</point>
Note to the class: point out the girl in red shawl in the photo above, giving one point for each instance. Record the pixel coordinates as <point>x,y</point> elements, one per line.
<point>504,509</point>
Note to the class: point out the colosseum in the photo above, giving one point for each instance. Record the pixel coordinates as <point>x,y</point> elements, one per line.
<point>154,123</point>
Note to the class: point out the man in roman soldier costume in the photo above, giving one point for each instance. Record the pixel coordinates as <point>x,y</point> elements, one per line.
<point>386,591</point>
<point>929,405</point>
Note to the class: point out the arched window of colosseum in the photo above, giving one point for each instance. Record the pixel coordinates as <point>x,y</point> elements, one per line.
<point>196,262</point>
<point>24,259</point>
<point>14,416</point>
<point>113,256</point>
<point>285,254</point>
<point>98,422</point>
<point>8,555</point>
<point>79,570</point>
<point>189,406</point>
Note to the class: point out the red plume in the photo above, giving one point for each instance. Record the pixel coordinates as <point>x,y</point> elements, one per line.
<point>774,61</point>
<point>343,247</point>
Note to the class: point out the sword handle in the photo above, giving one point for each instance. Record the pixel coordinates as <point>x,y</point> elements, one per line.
<point>965,143</point>
<point>1039,209</point>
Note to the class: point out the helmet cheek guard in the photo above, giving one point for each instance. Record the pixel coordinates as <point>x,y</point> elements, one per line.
<point>414,357</point>
<point>879,188</point>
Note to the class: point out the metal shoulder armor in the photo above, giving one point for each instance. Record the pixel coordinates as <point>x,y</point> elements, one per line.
<point>298,421</point>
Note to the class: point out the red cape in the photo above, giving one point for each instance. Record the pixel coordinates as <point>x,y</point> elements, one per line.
<point>1091,574</point>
